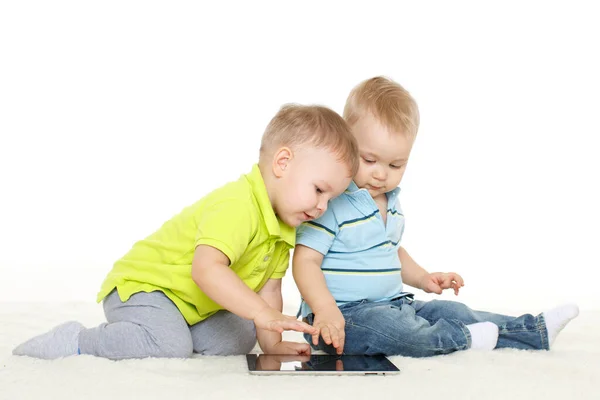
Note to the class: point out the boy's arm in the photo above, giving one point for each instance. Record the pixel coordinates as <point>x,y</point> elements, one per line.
<point>270,342</point>
<point>416,276</point>
<point>306,269</point>
<point>211,272</point>
<point>412,273</point>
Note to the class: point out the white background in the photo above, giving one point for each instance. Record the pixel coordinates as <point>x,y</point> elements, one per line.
<point>114,115</point>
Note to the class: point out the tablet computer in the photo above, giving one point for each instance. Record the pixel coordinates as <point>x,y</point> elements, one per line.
<point>272,364</point>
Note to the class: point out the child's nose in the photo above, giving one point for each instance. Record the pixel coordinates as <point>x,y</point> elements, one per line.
<point>380,173</point>
<point>322,205</point>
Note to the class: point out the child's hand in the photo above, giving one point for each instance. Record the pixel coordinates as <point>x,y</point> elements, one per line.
<point>290,348</point>
<point>272,320</point>
<point>330,325</point>
<point>438,281</point>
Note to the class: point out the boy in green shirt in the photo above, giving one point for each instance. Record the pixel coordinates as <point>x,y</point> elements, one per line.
<point>209,280</point>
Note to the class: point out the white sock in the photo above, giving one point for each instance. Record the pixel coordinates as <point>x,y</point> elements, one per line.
<point>484,335</point>
<point>557,318</point>
<point>62,341</point>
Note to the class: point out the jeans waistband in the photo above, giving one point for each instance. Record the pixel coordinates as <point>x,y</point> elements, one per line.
<point>409,296</point>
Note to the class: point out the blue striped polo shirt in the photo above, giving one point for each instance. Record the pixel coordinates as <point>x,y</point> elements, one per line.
<point>360,253</point>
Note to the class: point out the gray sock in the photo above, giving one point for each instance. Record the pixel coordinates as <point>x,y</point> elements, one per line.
<point>62,341</point>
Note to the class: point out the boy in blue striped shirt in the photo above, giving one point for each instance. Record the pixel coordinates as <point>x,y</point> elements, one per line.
<point>350,268</point>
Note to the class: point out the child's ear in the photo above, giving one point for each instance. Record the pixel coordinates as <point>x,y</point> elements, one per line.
<point>281,160</point>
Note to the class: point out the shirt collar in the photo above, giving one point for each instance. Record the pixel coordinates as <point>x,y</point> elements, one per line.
<point>275,226</point>
<point>352,188</point>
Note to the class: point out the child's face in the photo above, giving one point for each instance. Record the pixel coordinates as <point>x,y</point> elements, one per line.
<point>309,179</point>
<point>383,156</point>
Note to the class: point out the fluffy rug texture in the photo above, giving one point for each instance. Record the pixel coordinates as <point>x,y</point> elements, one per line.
<point>570,371</point>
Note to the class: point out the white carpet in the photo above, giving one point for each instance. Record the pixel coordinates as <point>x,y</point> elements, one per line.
<point>570,371</point>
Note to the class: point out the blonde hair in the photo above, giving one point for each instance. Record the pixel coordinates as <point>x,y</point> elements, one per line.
<point>387,101</point>
<point>296,125</point>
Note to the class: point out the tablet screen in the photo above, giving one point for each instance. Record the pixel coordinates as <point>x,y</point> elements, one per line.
<point>271,363</point>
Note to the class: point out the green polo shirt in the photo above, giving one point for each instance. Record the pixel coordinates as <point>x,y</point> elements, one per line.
<point>236,219</point>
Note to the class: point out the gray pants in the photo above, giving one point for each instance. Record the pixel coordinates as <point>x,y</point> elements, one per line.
<point>149,325</point>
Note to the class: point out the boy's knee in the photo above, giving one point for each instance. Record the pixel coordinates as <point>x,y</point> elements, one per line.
<point>445,309</point>
<point>245,344</point>
<point>241,340</point>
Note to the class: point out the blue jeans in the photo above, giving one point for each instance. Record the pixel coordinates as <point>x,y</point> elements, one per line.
<point>416,328</point>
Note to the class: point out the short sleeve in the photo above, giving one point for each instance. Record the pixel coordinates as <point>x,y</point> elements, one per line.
<point>318,234</point>
<point>228,226</point>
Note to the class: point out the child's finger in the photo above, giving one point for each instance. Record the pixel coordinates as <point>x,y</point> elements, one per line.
<point>326,335</point>
<point>315,337</point>
<point>456,288</point>
<point>307,328</point>
<point>435,288</point>
<point>297,326</point>
<point>340,348</point>
<point>458,279</point>
<point>305,351</point>
<point>335,339</point>
<point>302,349</point>
<point>448,282</point>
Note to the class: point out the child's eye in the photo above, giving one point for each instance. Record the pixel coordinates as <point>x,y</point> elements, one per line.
<point>318,190</point>
<point>395,166</point>
<point>368,161</point>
